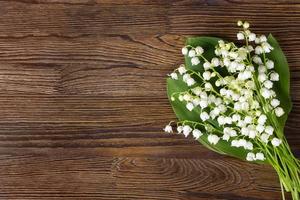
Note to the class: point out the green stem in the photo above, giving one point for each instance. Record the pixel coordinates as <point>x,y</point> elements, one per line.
<point>282,190</point>
<point>287,167</point>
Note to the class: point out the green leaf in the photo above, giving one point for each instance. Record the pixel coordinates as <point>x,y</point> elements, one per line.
<point>282,87</point>
<point>175,86</point>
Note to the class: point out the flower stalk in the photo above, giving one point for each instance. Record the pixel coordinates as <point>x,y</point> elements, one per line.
<point>287,167</point>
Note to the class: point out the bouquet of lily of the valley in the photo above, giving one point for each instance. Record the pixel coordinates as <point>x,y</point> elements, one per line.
<point>235,100</point>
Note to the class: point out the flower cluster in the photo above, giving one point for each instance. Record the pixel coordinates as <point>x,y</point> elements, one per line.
<point>233,94</point>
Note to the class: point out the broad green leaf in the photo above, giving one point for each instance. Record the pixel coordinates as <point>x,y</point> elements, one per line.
<point>208,44</point>
<point>282,87</point>
<point>182,113</point>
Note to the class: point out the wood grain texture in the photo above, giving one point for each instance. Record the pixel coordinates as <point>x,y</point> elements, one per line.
<point>83,100</point>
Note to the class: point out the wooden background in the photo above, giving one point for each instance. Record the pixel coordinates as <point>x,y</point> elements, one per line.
<point>83,100</point>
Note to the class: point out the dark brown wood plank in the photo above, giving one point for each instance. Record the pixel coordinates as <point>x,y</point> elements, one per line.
<point>87,65</point>
<point>25,18</point>
<point>91,176</point>
<point>99,121</point>
<point>81,18</point>
<point>283,19</point>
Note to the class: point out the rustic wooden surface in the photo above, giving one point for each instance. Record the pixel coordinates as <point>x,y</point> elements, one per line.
<point>83,100</point>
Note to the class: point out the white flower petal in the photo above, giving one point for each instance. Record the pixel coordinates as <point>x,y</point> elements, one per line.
<point>213,139</point>
<point>276,142</point>
<point>250,156</point>
<point>184,51</point>
<point>190,106</point>
<point>192,53</point>
<point>259,156</point>
<point>168,129</point>
<point>197,134</point>
<point>195,61</point>
<point>279,111</point>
